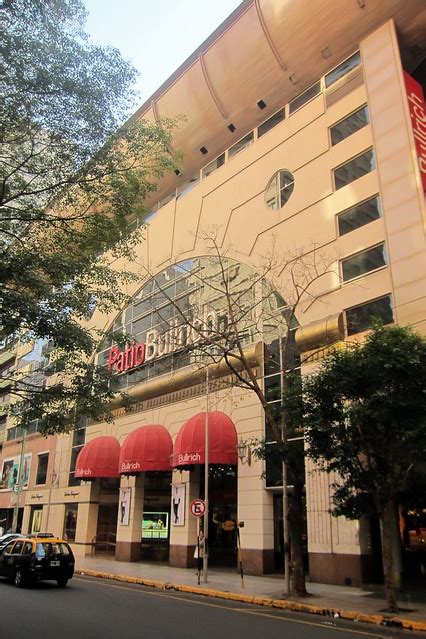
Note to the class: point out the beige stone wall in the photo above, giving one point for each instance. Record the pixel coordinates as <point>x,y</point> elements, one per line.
<point>400,184</point>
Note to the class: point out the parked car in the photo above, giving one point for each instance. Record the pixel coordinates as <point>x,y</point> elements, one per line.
<point>4,539</point>
<point>29,559</point>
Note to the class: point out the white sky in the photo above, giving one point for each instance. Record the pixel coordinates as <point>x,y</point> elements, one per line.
<point>155,35</point>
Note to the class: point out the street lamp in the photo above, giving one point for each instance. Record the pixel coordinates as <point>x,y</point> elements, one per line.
<point>244,452</point>
<point>206,480</point>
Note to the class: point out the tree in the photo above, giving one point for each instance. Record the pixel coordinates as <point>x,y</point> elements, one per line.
<point>72,190</point>
<point>365,418</point>
<point>250,308</point>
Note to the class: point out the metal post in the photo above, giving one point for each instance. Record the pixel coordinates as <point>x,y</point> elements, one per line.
<point>206,480</point>
<point>19,484</point>
<point>286,532</point>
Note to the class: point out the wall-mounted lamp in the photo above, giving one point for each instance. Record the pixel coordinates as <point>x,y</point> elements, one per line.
<point>244,452</point>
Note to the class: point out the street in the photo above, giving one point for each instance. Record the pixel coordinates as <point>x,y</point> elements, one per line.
<point>90,608</point>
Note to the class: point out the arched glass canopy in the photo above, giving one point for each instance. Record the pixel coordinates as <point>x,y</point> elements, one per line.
<point>186,309</point>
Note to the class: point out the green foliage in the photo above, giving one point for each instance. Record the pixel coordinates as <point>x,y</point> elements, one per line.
<point>72,194</point>
<point>365,418</point>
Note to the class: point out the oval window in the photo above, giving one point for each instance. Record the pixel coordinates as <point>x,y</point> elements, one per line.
<point>279,190</point>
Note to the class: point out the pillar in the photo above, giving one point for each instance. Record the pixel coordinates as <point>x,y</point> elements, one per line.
<point>183,538</point>
<point>129,523</point>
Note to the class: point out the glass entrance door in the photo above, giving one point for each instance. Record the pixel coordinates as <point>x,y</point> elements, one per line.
<point>222,514</point>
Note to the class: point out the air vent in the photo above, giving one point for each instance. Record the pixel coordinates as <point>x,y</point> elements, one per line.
<point>261,104</point>
<point>203,150</point>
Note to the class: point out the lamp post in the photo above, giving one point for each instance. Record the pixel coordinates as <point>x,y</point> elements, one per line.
<point>19,483</point>
<point>206,480</point>
<point>286,531</point>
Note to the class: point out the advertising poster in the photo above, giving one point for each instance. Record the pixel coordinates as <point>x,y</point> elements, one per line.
<point>178,505</point>
<point>124,511</point>
<point>10,472</point>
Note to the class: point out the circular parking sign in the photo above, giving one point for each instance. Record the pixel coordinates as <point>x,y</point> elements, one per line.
<point>197,508</point>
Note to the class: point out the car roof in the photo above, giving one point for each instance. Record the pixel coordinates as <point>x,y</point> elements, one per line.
<point>10,536</point>
<point>44,539</point>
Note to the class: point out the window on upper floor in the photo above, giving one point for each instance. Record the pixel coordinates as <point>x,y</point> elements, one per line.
<point>360,318</point>
<point>241,145</point>
<point>215,164</point>
<point>43,462</point>
<point>364,262</point>
<point>304,97</point>
<point>354,169</point>
<point>359,215</point>
<point>343,68</point>
<point>279,190</point>
<point>269,124</point>
<point>78,440</point>
<point>349,125</point>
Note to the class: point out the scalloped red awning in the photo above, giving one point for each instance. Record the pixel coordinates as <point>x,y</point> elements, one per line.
<point>98,458</point>
<point>189,446</point>
<point>149,447</point>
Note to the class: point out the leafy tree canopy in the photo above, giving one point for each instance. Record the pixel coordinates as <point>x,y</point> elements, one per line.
<point>365,418</point>
<point>72,191</point>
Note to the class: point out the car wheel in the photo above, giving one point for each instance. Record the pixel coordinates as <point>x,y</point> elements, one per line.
<point>62,582</point>
<point>20,580</point>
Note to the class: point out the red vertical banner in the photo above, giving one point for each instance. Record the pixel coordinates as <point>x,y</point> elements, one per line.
<point>416,105</point>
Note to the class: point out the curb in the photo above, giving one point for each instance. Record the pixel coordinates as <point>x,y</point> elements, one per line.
<point>282,604</point>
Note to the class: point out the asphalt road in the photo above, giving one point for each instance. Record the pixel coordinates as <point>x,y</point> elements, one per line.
<point>91,608</point>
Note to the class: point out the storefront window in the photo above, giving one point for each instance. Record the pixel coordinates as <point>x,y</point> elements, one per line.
<point>70,521</point>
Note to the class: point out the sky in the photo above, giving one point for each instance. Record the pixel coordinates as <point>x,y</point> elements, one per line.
<point>156,36</point>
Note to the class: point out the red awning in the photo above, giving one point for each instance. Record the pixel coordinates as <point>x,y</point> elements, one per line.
<point>189,446</point>
<point>98,458</point>
<point>149,447</point>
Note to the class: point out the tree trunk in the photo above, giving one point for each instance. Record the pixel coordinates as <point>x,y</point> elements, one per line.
<point>296,525</point>
<point>386,519</point>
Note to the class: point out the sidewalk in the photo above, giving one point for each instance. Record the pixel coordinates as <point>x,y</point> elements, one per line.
<point>345,602</point>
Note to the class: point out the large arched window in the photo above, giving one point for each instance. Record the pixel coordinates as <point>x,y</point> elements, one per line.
<point>183,311</point>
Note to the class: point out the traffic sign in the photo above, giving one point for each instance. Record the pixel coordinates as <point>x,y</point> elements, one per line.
<point>197,508</point>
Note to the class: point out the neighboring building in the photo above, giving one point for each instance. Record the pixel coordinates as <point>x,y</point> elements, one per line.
<point>302,132</point>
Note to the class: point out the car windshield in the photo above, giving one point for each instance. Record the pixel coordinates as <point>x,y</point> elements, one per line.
<point>43,549</point>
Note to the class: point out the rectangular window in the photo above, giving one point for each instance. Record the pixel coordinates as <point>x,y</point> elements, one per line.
<point>359,215</point>
<point>349,125</point>
<point>78,438</point>
<point>269,124</point>
<point>360,318</point>
<point>211,168</point>
<point>70,521</point>
<point>241,145</point>
<point>364,262</point>
<point>304,97</point>
<point>343,69</point>
<point>354,169</point>
<point>43,461</point>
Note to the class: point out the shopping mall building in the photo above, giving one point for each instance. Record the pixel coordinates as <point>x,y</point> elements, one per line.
<point>304,142</point>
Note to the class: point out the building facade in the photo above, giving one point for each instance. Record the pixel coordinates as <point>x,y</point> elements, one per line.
<point>304,144</point>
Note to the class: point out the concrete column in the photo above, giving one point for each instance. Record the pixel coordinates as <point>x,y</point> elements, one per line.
<point>87,520</point>
<point>255,511</point>
<point>183,538</point>
<point>129,524</point>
